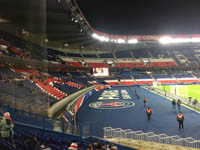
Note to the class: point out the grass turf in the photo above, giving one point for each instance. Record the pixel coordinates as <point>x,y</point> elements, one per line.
<point>193,90</point>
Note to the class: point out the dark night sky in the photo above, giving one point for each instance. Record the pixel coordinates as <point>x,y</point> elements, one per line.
<point>143,16</point>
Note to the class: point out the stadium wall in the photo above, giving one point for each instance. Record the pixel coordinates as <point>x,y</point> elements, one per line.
<point>82,100</point>
<point>58,107</point>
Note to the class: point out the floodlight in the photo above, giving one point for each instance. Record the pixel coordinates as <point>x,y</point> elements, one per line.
<point>195,40</point>
<point>66,44</point>
<point>165,40</point>
<point>169,40</point>
<point>101,38</point>
<point>132,41</point>
<point>94,35</point>
<point>120,41</point>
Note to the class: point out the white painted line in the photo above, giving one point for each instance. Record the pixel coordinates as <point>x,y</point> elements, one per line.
<point>171,100</point>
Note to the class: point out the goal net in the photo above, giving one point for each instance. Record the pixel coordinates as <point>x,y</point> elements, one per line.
<point>180,90</point>
<point>156,84</point>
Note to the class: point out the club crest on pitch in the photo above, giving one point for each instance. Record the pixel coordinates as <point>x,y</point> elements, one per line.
<point>112,104</point>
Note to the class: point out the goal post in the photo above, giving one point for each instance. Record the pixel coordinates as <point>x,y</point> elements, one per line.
<point>156,84</point>
<point>180,90</point>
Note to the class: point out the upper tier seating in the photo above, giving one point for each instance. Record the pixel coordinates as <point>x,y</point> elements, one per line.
<point>106,55</point>
<point>184,76</point>
<point>98,65</point>
<point>13,40</point>
<point>123,54</point>
<point>73,55</point>
<point>162,76</point>
<point>159,52</point>
<point>142,76</point>
<point>140,53</point>
<point>90,56</point>
<point>75,64</point>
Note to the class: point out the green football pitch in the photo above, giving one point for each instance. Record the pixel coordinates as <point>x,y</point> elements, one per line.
<point>183,90</point>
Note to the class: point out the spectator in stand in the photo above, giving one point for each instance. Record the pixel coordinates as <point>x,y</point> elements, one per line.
<point>89,147</point>
<point>179,104</point>
<point>73,146</point>
<point>6,128</point>
<point>43,147</point>
<point>174,104</point>
<point>103,147</point>
<point>33,143</point>
<point>114,147</point>
<point>97,146</point>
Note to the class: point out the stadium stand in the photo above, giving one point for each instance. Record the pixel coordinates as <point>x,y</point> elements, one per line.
<point>106,55</point>
<point>158,53</point>
<point>73,55</point>
<point>123,54</point>
<point>44,136</point>
<point>90,56</point>
<point>35,78</point>
<point>140,53</point>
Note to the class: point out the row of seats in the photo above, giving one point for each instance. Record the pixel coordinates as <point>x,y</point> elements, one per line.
<point>22,97</point>
<point>52,91</point>
<point>47,85</point>
<point>19,47</point>
<point>124,64</point>
<point>65,88</point>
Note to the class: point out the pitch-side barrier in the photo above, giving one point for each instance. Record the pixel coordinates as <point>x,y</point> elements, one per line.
<point>129,134</point>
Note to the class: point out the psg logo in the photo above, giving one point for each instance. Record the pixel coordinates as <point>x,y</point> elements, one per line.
<point>112,104</point>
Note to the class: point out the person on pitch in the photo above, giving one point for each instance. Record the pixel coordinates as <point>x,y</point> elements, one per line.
<point>149,113</point>
<point>145,101</point>
<point>180,119</point>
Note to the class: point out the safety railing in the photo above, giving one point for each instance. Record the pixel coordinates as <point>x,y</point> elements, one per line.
<point>129,134</point>
<point>45,123</point>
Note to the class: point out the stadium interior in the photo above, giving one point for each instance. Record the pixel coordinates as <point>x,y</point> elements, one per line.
<point>57,71</point>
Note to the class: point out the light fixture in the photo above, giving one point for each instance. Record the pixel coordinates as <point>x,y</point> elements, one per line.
<point>46,40</point>
<point>132,41</point>
<point>120,41</point>
<point>65,44</point>
<point>169,40</point>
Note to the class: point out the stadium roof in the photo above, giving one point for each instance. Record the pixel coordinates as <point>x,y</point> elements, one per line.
<point>62,21</point>
<point>142,17</point>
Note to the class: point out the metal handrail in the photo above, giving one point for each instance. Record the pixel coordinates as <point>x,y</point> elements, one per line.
<point>118,133</point>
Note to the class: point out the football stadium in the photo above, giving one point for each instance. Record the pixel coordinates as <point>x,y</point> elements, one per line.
<point>66,84</point>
